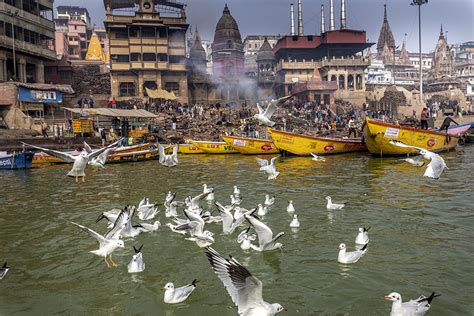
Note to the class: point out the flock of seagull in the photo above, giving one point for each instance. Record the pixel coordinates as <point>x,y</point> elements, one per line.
<point>250,229</point>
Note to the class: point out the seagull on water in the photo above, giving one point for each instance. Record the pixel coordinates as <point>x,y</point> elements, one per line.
<point>435,167</point>
<point>261,210</point>
<point>109,242</point>
<point>136,264</point>
<point>146,210</point>
<point>131,230</point>
<point>170,160</point>
<point>265,235</point>
<point>210,191</point>
<point>352,256</point>
<point>236,191</point>
<point>193,202</point>
<point>363,236</point>
<point>269,167</point>
<point>414,162</point>
<point>317,158</point>
<point>79,162</point>
<point>229,223</point>
<point>295,223</point>
<point>177,295</point>
<point>244,289</point>
<point>416,307</point>
<point>245,239</point>
<point>269,200</point>
<point>290,208</point>
<point>151,227</point>
<point>235,199</point>
<point>110,216</point>
<point>264,116</point>
<point>3,270</point>
<point>333,206</point>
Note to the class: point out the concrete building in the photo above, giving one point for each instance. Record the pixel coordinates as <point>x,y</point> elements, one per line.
<point>147,48</point>
<point>26,29</point>
<point>76,23</point>
<point>253,43</point>
<point>74,13</point>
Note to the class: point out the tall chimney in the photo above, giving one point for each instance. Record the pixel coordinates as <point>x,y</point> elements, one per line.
<point>323,21</point>
<point>343,14</point>
<point>300,18</point>
<point>292,19</point>
<point>331,15</point>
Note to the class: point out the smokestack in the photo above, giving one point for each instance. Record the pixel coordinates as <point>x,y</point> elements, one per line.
<point>323,22</point>
<point>343,14</point>
<point>300,18</point>
<point>331,15</point>
<point>292,19</point>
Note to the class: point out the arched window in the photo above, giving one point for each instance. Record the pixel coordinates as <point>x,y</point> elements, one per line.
<point>350,82</point>
<point>229,44</point>
<point>267,67</point>
<point>341,82</point>
<point>261,67</point>
<point>333,78</point>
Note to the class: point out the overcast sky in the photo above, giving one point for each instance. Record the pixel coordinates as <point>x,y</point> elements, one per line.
<point>272,17</point>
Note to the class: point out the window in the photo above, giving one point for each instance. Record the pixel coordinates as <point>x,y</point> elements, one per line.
<point>127,89</point>
<point>176,59</point>
<point>350,82</point>
<point>162,32</point>
<point>134,32</point>
<point>148,32</point>
<point>229,44</point>
<point>163,57</point>
<point>342,84</point>
<point>135,57</point>
<point>172,86</point>
<point>121,34</point>
<point>149,57</point>
<point>120,58</point>
<point>150,85</point>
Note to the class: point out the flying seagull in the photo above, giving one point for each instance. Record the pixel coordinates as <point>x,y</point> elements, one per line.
<point>136,264</point>
<point>244,289</point>
<point>317,158</point>
<point>268,167</point>
<point>414,162</point>
<point>99,161</point>
<point>416,307</point>
<point>435,167</point>
<point>170,160</point>
<point>177,295</point>
<point>264,116</point>
<point>79,162</point>
<point>265,235</point>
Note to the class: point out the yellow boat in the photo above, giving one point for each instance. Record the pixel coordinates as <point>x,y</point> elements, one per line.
<point>379,134</point>
<point>189,149</point>
<point>304,145</point>
<point>251,146</point>
<point>214,147</point>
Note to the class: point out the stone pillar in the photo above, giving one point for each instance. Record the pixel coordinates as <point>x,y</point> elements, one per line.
<point>139,82</point>
<point>21,70</point>
<point>346,81</point>
<point>39,75</point>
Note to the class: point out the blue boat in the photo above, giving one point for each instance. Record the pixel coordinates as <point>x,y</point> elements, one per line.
<point>20,160</point>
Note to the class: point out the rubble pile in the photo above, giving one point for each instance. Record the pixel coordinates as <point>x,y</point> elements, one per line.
<point>394,97</point>
<point>89,80</point>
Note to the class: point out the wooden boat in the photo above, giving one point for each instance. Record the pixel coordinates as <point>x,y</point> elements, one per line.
<point>214,147</point>
<point>379,134</point>
<point>189,149</point>
<point>304,145</point>
<point>135,156</point>
<point>21,160</point>
<point>251,146</point>
<point>41,157</point>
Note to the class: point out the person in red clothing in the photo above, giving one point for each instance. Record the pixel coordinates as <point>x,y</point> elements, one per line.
<point>114,103</point>
<point>424,118</point>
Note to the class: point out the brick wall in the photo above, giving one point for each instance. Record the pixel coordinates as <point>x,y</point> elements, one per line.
<point>8,94</point>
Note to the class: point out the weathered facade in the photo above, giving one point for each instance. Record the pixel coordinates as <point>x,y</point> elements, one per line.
<point>266,71</point>
<point>443,64</point>
<point>146,50</point>
<point>29,25</point>
<point>199,82</point>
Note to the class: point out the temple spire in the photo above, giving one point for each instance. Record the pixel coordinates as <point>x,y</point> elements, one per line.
<point>385,19</point>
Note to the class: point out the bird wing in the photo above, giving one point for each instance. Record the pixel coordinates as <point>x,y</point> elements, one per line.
<point>260,109</point>
<point>98,152</point>
<point>274,105</point>
<point>58,154</point>
<point>264,232</point>
<point>262,162</point>
<point>354,256</point>
<point>244,289</point>
<point>175,150</point>
<point>161,153</point>
<point>200,197</point>
<point>183,292</point>
<point>401,144</point>
<point>227,217</point>
<point>97,236</point>
<point>87,148</point>
<point>272,161</point>
<point>435,167</point>
<point>119,225</point>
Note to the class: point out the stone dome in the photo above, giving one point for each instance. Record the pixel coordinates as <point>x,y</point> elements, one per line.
<point>265,52</point>
<point>227,35</point>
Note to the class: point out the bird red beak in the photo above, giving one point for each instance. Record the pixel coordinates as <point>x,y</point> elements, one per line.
<point>387,298</point>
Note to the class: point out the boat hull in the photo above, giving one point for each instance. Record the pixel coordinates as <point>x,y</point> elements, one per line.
<point>251,146</point>
<point>214,147</point>
<point>189,149</point>
<point>17,161</point>
<point>136,156</point>
<point>379,134</point>
<point>303,145</point>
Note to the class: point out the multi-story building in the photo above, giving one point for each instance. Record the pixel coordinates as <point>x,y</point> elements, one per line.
<point>147,48</point>
<point>253,43</point>
<point>26,29</point>
<point>74,13</point>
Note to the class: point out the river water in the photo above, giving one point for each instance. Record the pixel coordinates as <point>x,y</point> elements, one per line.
<point>421,237</point>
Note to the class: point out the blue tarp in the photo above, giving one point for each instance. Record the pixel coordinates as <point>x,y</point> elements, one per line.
<point>40,96</point>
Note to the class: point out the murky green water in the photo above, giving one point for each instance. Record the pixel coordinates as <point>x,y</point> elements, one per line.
<point>421,237</point>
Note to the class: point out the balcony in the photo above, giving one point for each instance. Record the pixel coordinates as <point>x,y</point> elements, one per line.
<point>177,67</point>
<point>345,62</point>
<point>36,20</point>
<point>120,66</point>
<point>32,49</point>
<point>296,65</point>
